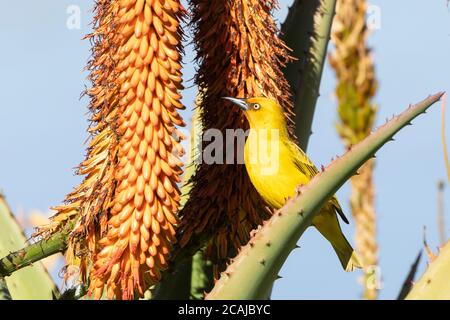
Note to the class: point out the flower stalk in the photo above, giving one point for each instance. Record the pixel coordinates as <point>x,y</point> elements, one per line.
<point>354,67</point>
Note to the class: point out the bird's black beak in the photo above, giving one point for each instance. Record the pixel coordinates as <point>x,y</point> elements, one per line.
<point>239,102</point>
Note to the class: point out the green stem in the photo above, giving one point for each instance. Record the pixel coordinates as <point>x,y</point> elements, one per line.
<point>253,271</point>
<point>202,279</point>
<point>307,32</point>
<point>33,253</point>
<point>178,265</point>
<point>176,285</point>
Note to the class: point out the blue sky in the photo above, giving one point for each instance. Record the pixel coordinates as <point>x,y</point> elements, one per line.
<point>44,129</point>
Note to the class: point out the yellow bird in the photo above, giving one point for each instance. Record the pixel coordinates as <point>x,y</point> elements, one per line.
<point>277,166</point>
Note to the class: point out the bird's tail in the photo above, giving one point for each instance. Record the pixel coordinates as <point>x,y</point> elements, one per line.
<point>349,259</point>
<point>328,225</point>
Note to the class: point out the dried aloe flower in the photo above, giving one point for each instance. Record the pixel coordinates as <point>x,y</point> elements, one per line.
<point>240,55</point>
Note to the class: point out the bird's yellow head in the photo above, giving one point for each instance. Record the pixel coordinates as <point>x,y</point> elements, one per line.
<point>261,113</point>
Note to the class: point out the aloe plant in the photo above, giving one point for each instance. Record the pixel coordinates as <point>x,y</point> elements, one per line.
<point>86,213</point>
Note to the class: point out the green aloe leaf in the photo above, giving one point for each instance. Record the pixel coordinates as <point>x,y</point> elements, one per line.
<point>307,32</point>
<point>434,283</point>
<point>252,273</point>
<point>4,291</point>
<point>32,282</point>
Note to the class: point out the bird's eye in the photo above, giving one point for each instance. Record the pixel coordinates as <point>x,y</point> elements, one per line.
<point>256,106</point>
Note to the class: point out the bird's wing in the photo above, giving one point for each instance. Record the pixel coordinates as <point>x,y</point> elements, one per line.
<point>338,209</point>
<point>308,168</point>
<point>302,161</point>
